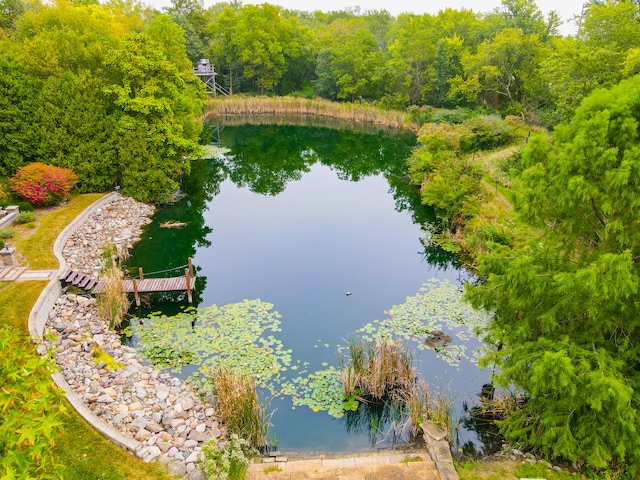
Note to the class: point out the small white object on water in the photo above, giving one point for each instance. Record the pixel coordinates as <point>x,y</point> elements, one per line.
<point>348,293</point>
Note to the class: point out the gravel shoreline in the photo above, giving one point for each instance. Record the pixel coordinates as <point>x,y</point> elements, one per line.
<point>161,412</point>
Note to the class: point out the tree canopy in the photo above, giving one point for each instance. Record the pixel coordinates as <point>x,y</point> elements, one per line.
<point>566,325</point>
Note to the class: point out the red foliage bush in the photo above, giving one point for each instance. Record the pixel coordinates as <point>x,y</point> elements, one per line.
<point>41,184</point>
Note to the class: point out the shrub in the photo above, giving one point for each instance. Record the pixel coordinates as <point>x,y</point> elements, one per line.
<point>32,411</point>
<point>455,116</point>
<point>419,115</point>
<point>25,207</point>
<point>26,217</point>
<point>487,131</point>
<point>42,184</point>
<point>7,233</point>
<point>226,460</point>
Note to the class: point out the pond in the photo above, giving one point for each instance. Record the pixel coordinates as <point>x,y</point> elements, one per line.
<point>317,233</point>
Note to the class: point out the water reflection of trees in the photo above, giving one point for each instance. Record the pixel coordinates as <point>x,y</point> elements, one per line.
<point>265,158</point>
<point>384,422</point>
<point>482,421</point>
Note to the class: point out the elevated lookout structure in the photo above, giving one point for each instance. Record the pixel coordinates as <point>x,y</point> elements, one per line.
<point>207,73</point>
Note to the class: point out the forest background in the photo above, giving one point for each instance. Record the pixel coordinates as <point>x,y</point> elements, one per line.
<point>107,90</point>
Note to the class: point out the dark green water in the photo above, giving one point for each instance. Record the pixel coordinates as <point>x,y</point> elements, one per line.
<point>298,216</point>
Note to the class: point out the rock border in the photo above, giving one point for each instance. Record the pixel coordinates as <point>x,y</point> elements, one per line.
<point>40,313</point>
<point>438,447</point>
<point>149,413</point>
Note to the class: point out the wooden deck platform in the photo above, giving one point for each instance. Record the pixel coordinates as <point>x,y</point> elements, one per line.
<point>146,285</point>
<point>151,285</point>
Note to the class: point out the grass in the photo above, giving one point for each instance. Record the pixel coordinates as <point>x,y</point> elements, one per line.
<point>16,301</point>
<point>88,455</point>
<point>272,469</point>
<point>113,303</point>
<point>508,470</point>
<point>318,108</point>
<point>37,247</point>
<point>237,402</point>
<point>85,453</point>
<point>422,405</point>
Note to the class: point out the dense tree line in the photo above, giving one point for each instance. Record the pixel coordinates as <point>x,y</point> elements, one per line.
<point>512,60</point>
<point>106,89</point>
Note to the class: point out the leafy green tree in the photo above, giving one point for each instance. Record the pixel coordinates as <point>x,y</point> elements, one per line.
<point>75,129</point>
<point>413,56</point>
<point>32,410</point>
<point>260,40</point>
<point>151,118</point>
<point>195,46</point>
<point>613,24</point>
<point>17,104</point>
<point>448,64</point>
<point>10,12</point>
<point>62,37</point>
<point>503,72</point>
<point>573,69</point>
<point>525,15</point>
<point>357,66</point>
<point>325,82</point>
<point>566,304</point>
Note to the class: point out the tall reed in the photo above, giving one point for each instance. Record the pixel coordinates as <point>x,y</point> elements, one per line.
<point>237,403</point>
<point>423,405</point>
<point>296,106</point>
<point>378,369</point>
<point>113,303</point>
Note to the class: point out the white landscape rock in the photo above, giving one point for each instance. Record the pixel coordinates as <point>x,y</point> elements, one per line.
<point>160,411</point>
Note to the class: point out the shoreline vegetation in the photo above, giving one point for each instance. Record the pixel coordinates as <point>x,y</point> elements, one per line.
<point>467,239</point>
<point>79,447</point>
<point>304,108</point>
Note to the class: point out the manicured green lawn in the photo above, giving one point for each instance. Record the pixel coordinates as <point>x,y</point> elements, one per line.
<point>37,248</point>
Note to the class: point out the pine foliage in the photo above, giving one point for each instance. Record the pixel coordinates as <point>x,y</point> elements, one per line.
<point>567,304</point>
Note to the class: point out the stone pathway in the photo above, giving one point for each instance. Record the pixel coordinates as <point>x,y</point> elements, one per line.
<point>23,274</point>
<point>390,465</point>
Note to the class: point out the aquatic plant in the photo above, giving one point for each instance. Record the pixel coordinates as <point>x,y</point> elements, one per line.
<point>236,335</point>
<point>421,404</point>
<point>321,390</point>
<point>226,460</point>
<point>350,112</point>
<point>236,400</point>
<point>438,311</point>
<point>377,369</point>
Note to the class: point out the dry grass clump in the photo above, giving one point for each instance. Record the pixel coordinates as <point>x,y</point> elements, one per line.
<point>295,106</point>
<point>236,401</point>
<point>381,372</point>
<point>113,303</point>
<point>377,369</point>
<point>422,405</point>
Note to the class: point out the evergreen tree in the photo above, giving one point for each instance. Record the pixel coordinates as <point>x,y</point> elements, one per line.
<point>567,304</point>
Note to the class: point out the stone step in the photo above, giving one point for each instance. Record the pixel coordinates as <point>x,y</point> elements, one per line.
<point>12,273</point>
<point>374,466</point>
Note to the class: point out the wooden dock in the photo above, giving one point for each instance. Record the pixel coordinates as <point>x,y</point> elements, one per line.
<point>186,282</point>
<point>154,285</point>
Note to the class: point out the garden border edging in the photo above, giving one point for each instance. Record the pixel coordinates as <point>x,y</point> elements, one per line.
<point>40,313</point>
